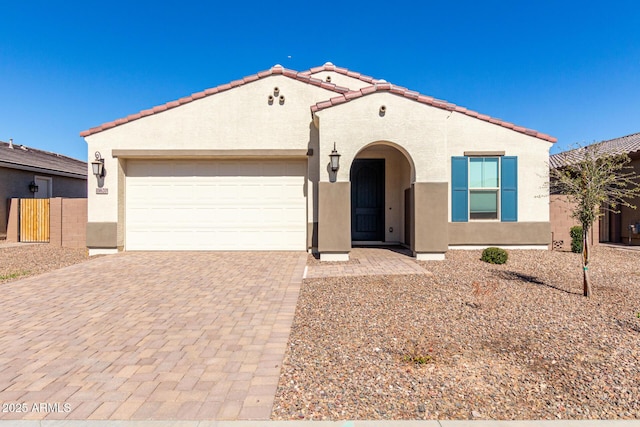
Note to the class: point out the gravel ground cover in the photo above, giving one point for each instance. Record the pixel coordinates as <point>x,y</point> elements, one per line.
<point>513,341</point>
<point>18,262</point>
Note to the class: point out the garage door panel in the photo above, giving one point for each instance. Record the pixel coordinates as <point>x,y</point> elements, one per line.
<point>215,205</point>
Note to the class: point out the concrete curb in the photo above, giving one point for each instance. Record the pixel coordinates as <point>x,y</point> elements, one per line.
<point>347,423</point>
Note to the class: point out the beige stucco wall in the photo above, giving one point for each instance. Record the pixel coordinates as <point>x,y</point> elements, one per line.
<point>239,118</point>
<point>467,133</point>
<point>419,129</point>
<point>431,136</point>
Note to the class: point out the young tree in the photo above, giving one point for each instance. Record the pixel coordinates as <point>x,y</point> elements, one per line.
<point>595,181</point>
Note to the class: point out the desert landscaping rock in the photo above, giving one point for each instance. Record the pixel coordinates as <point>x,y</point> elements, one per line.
<point>473,341</point>
<point>24,260</point>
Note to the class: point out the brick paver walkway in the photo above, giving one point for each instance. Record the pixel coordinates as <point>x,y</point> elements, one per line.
<point>141,335</point>
<point>366,261</point>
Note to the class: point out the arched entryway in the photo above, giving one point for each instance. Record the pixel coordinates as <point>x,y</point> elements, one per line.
<point>381,176</point>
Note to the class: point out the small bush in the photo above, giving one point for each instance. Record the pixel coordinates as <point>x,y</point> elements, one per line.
<point>576,239</point>
<point>494,255</point>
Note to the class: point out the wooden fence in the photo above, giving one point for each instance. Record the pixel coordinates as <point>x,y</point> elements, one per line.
<point>34,220</point>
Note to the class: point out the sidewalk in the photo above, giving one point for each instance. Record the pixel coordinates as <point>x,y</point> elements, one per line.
<point>357,423</point>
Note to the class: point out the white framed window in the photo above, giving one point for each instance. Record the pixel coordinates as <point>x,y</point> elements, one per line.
<point>484,188</point>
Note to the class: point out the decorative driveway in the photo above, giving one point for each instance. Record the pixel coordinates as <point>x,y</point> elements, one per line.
<point>149,335</point>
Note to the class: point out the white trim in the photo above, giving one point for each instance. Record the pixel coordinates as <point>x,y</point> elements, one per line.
<point>430,256</point>
<point>304,275</point>
<point>334,257</point>
<point>100,251</point>
<point>478,247</point>
<point>496,189</point>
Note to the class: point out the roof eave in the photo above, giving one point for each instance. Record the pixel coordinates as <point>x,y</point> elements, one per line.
<point>415,96</point>
<point>276,70</point>
<point>31,168</point>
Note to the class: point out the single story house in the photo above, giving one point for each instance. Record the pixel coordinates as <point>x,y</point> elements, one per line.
<point>27,172</point>
<point>247,165</point>
<point>612,227</point>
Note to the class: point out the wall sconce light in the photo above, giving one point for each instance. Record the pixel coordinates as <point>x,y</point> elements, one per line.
<point>33,187</point>
<point>335,159</point>
<point>98,165</point>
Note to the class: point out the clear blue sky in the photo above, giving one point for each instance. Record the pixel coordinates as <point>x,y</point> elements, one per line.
<point>567,68</point>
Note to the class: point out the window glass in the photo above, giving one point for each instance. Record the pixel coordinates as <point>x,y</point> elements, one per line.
<point>483,204</point>
<point>483,172</point>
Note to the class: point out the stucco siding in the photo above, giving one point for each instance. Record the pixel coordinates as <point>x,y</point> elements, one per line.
<point>416,140</point>
<point>469,134</point>
<point>238,119</point>
<point>417,128</point>
<point>431,136</point>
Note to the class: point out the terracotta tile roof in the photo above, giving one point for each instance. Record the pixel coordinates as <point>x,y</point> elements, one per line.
<point>21,157</point>
<point>629,144</point>
<point>345,95</point>
<point>383,86</point>
<point>328,66</point>
<point>275,70</point>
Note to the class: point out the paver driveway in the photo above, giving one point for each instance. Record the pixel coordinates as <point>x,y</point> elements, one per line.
<point>149,335</point>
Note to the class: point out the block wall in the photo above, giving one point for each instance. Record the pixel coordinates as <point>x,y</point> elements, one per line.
<point>561,222</point>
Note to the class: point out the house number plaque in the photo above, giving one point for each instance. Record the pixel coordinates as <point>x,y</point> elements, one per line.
<point>102,191</point>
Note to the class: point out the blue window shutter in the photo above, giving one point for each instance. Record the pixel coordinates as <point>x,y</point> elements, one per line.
<point>509,189</point>
<point>459,189</point>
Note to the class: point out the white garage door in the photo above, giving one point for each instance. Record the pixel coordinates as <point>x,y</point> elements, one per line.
<point>215,205</point>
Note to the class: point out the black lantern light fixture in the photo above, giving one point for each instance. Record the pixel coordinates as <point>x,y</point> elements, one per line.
<point>335,159</point>
<point>98,165</point>
<point>33,187</point>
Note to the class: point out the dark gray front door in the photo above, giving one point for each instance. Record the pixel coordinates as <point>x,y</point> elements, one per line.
<point>367,200</point>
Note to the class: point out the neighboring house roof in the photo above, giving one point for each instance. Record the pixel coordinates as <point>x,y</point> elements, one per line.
<point>345,95</point>
<point>31,159</point>
<point>629,144</point>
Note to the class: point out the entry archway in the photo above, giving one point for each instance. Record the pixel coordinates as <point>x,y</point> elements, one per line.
<point>381,176</point>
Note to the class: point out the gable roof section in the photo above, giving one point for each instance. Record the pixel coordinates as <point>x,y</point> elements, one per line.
<point>328,66</point>
<point>21,157</point>
<point>275,70</point>
<point>345,95</point>
<point>382,86</point>
<point>629,144</point>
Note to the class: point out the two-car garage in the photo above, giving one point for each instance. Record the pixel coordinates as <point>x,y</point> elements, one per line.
<point>215,204</point>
